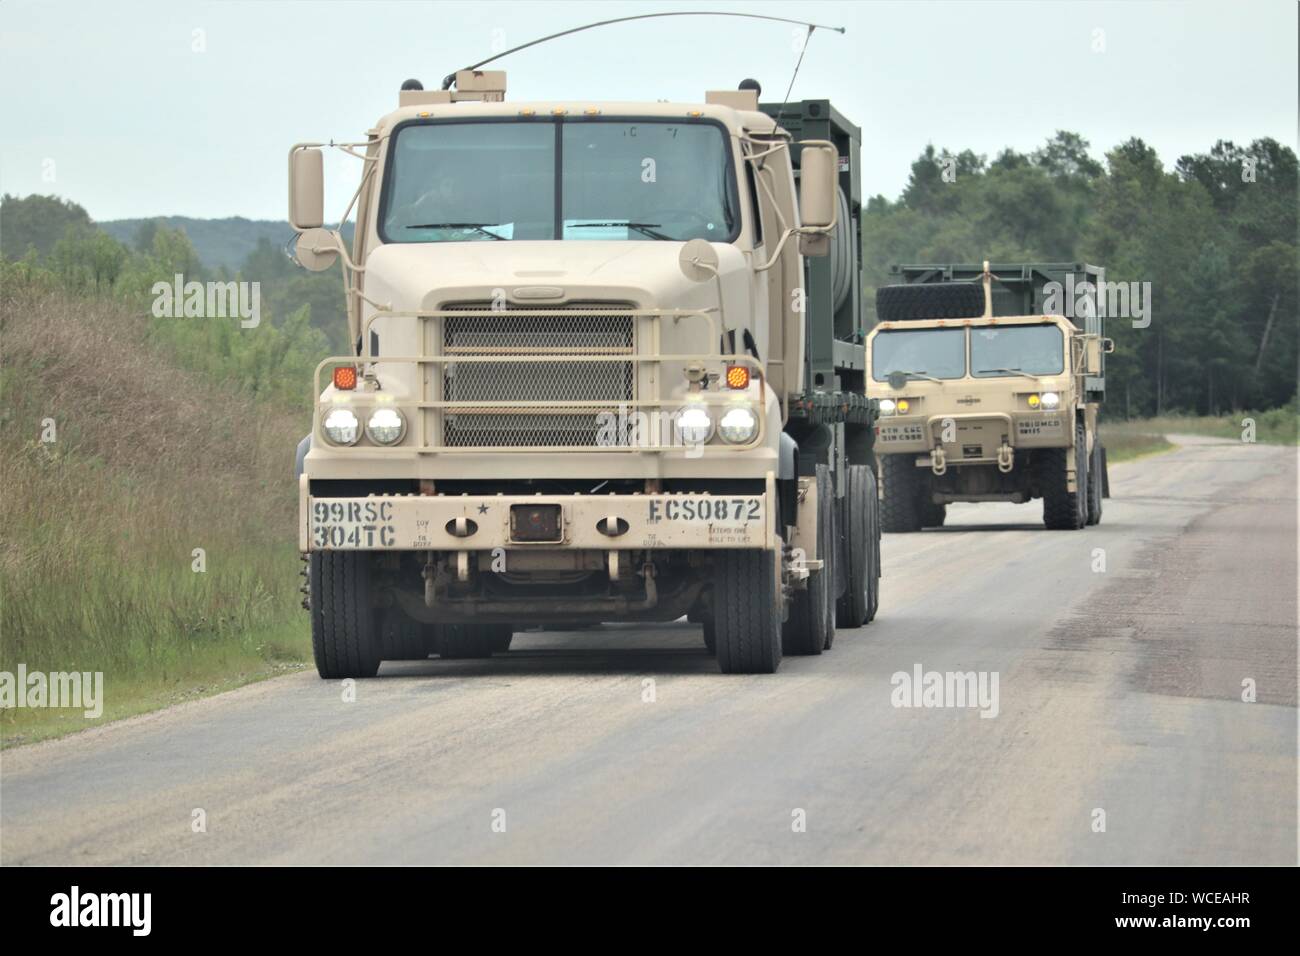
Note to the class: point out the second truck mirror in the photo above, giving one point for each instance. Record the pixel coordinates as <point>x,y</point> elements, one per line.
<point>306,189</point>
<point>1092,351</point>
<point>817,175</point>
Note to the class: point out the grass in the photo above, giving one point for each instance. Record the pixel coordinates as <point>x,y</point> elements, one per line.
<point>1125,441</point>
<point>98,565</point>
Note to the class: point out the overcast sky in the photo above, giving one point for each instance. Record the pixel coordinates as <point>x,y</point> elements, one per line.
<point>116,104</point>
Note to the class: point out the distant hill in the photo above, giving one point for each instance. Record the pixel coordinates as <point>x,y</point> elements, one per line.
<point>220,243</point>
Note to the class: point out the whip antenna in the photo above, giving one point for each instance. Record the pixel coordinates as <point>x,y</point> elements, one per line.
<point>450,79</point>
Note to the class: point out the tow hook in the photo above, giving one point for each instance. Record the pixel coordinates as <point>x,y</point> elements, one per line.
<point>938,461</point>
<point>1006,458</point>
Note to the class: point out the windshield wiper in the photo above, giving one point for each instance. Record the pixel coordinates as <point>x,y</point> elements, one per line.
<point>909,373</point>
<point>645,228</point>
<point>481,227</point>
<point>1016,371</point>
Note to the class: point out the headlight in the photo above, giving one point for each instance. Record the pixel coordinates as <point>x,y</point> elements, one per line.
<point>739,425</point>
<point>386,426</point>
<point>887,406</point>
<point>693,424</point>
<point>903,406</point>
<point>341,427</point>
<point>1051,400</point>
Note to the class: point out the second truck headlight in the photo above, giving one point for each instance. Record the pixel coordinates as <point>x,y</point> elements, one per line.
<point>739,425</point>
<point>1050,400</point>
<point>386,426</point>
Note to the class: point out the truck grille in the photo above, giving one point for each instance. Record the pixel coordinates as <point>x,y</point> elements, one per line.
<point>586,331</point>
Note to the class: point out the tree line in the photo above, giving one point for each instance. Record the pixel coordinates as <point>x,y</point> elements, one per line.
<point>1215,236</point>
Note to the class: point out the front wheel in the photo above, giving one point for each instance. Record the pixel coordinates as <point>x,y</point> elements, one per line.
<point>1065,510</point>
<point>345,638</point>
<point>900,506</point>
<point>747,611</point>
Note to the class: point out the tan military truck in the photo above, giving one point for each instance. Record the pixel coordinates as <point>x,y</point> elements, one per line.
<point>607,366</point>
<point>989,380</point>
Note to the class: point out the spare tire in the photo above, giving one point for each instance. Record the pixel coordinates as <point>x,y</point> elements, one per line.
<point>937,300</point>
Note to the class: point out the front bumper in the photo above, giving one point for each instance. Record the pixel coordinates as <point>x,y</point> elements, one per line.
<point>973,438</point>
<point>586,522</point>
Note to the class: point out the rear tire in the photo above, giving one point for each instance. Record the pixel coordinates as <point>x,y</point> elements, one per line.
<point>344,632</point>
<point>747,611</point>
<point>404,639</point>
<point>899,508</point>
<point>811,627</point>
<point>933,515</point>
<point>471,641</point>
<point>862,539</point>
<point>1096,473</point>
<point>1065,510</point>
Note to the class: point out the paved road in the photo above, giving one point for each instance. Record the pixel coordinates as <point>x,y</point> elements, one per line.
<point>1119,690</point>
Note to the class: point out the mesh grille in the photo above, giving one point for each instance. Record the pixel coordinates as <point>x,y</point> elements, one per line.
<point>585,332</point>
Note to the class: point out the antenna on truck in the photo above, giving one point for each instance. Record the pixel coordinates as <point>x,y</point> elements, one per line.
<point>449,80</point>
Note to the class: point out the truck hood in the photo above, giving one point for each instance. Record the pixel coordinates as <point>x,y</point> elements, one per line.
<point>410,276</point>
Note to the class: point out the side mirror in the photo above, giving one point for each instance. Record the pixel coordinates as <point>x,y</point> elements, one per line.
<point>306,188</point>
<point>1108,346</point>
<point>1092,349</point>
<point>818,179</point>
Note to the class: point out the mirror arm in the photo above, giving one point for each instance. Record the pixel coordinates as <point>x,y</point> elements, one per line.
<point>793,231</point>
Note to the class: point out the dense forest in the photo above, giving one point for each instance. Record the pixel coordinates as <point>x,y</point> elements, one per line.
<point>1215,237</point>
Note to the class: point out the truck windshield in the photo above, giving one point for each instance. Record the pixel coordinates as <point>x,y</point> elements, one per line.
<point>644,180</point>
<point>1029,349</point>
<point>932,353</point>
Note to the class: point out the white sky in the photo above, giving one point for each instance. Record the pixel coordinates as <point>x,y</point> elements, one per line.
<point>135,123</point>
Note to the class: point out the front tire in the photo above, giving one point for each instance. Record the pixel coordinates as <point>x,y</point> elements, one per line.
<point>1065,510</point>
<point>344,632</point>
<point>900,507</point>
<point>747,611</point>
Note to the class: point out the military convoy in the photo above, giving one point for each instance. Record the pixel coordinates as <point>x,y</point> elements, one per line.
<point>607,365</point>
<point>989,379</point>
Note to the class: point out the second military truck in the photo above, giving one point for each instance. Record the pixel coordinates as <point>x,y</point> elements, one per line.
<point>989,379</point>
